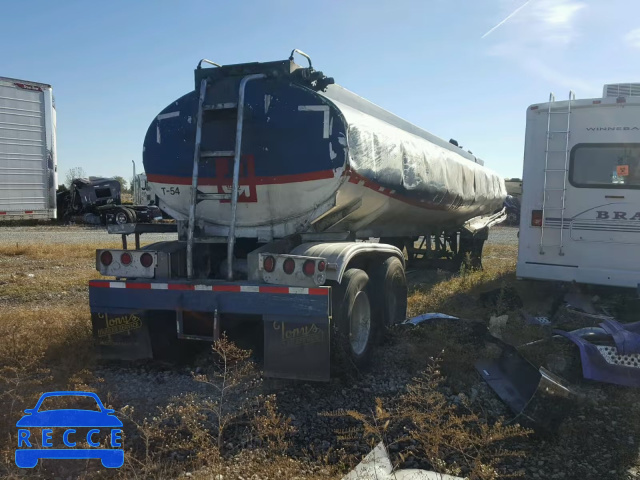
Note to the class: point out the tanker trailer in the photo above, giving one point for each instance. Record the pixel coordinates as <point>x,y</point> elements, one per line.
<point>278,179</point>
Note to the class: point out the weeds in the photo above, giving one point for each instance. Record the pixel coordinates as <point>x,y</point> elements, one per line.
<point>231,378</point>
<point>451,438</point>
<point>194,432</point>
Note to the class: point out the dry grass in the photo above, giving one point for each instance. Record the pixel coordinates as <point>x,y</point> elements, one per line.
<point>452,439</point>
<point>455,293</point>
<point>45,329</point>
<point>46,345</point>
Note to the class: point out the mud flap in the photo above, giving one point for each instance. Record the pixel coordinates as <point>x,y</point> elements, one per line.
<point>121,336</point>
<point>537,397</point>
<point>296,347</point>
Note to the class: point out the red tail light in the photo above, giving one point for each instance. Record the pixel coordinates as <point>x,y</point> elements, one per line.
<point>106,258</point>
<point>309,268</point>
<point>125,258</point>
<point>536,218</point>
<point>321,266</point>
<point>146,260</point>
<point>289,266</point>
<point>269,264</point>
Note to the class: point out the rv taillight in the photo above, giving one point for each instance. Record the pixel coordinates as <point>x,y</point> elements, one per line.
<point>106,258</point>
<point>321,266</point>
<point>146,260</point>
<point>289,266</point>
<point>125,258</point>
<point>536,218</point>
<point>269,264</point>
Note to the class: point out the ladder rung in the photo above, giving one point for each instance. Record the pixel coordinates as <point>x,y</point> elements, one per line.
<point>554,189</point>
<point>220,106</point>
<point>556,170</point>
<point>558,131</point>
<point>217,153</point>
<point>556,151</point>
<point>554,208</point>
<point>559,113</point>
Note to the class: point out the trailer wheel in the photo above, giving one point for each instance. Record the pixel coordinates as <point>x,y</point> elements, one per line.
<point>388,291</point>
<point>355,325</point>
<point>133,216</point>
<point>121,217</point>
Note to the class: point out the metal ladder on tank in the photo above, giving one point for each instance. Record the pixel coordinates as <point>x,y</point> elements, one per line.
<point>198,156</point>
<point>556,162</point>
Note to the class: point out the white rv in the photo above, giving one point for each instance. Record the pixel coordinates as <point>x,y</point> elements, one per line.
<point>580,218</point>
<point>28,163</point>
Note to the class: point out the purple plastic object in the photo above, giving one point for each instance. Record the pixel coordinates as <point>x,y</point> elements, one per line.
<point>596,367</point>
<point>429,316</point>
<point>625,336</point>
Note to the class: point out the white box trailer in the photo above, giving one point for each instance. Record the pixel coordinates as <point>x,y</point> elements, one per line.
<point>28,161</point>
<point>580,218</point>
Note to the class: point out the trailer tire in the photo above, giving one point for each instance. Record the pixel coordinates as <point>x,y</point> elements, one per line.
<point>355,326</point>
<point>132,214</point>
<point>122,215</point>
<point>388,291</point>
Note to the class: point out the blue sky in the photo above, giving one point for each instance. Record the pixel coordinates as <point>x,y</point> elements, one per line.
<point>114,65</point>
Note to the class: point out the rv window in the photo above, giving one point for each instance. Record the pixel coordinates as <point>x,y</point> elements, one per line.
<point>611,165</point>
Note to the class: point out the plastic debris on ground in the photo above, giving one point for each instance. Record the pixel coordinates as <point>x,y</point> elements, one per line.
<point>377,466</point>
<point>535,395</point>
<point>580,301</point>
<point>428,316</point>
<point>531,320</point>
<point>497,324</point>
<point>610,353</point>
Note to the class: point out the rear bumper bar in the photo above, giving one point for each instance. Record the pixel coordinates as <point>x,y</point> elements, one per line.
<point>296,321</point>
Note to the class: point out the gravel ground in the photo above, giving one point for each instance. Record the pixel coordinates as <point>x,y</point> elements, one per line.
<point>84,234</point>
<point>81,234</point>
<point>598,438</point>
<point>70,234</point>
<point>503,236</point>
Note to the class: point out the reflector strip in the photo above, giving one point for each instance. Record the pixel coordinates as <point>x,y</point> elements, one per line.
<point>209,288</point>
<point>275,290</point>
<point>226,288</point>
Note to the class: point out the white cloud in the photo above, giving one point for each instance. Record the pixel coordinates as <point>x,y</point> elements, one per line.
<point>560,14</point>
<point>537,38</point>
<point>633,38</point>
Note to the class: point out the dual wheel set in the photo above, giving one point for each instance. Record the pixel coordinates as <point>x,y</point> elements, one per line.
<point>124,215</point>
<point>364,305</point>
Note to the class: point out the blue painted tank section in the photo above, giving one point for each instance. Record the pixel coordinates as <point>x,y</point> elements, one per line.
<point>282,139</point>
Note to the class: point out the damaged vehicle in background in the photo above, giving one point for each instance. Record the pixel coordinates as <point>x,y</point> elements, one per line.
<point>97,201</point>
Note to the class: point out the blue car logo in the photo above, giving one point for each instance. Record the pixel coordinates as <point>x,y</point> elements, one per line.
<point>32,447</point>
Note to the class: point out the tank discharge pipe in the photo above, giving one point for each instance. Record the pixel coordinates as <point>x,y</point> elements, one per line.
<point>236,172</point>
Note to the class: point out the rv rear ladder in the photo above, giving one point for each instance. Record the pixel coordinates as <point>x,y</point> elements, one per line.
<point>554,166</point>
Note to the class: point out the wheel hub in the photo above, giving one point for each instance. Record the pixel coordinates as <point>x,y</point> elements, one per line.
<point>360,327</point>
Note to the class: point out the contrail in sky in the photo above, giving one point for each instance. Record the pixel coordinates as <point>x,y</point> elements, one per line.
<point>507,19</point>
